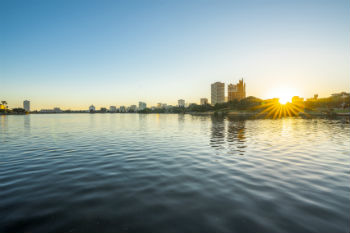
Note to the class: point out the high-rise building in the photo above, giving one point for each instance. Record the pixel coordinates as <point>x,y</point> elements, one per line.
<point>236,91</point>
<point>204,101</point>
<point>26,105</point>
<point>181,103</point>
<point>217,93</point>
<point>142,105</point>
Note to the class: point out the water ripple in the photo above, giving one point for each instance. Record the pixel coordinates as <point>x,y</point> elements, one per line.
<point>173,173</point>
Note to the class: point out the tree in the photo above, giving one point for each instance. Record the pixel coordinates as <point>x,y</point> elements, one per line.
<point>3,102</point>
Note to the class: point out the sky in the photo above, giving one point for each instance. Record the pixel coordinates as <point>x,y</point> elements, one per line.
<point>72,53</point>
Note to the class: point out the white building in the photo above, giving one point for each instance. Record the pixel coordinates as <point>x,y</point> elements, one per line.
<point>217,93</point>
<point>47,110</point>
<point>26,105</point>
<point>204,101</point>
<point>181,103</point>
<point>142,105</point>
<point>112,108</point>
<point>92,108</point>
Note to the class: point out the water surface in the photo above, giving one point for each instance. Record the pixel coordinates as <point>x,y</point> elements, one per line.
<point>173,173</point>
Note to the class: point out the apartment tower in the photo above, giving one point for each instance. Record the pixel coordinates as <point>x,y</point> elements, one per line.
<point>217,93</point>
<point>26,105</point>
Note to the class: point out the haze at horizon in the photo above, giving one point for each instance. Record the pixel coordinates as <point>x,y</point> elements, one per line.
<point>72,54</point>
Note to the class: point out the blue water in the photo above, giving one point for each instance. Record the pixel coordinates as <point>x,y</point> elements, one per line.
<point>173,173</point>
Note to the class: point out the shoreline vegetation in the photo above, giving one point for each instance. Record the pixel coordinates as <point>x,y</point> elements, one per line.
<point>335,105</point>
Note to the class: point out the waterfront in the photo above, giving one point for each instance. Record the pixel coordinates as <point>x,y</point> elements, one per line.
<point>173,173</point>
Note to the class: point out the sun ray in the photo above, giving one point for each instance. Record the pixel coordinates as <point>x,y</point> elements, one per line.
<point>274,109</point>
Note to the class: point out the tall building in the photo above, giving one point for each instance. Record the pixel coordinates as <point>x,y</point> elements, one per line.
<point>204,101</point>
<point>181,103</point>
<point>26,105</point>
<point>142,105</point>
<point>236,91</point>
<point>217,93</point>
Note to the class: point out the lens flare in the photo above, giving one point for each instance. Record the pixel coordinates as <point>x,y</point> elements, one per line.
<point>284,100</point>
<point>275,109</point>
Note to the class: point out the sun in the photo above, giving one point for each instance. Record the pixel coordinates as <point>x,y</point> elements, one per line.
<point>280,104</point>
<point>284,100</point>
<point>284,94</point>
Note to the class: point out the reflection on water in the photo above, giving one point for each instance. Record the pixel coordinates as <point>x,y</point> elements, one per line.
<point>217,132</point>
<point>229,133</point>
<point>235,135</point>
<point>173,173</point>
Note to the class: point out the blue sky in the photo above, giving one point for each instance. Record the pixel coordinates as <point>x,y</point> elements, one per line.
<point>73,53</point>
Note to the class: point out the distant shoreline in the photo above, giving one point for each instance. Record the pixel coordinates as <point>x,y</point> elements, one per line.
<point>209,113</point>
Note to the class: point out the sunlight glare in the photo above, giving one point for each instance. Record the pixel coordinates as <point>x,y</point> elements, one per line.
<point>284,94</point>
<point>284,100</point>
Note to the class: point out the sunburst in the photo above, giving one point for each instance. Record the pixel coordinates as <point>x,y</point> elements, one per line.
<point>276,109</point>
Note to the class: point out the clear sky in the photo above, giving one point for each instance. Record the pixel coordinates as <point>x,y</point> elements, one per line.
<point>71,53</point>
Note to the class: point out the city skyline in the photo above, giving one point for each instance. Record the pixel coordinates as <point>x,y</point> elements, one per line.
<point>226,92</point>
<point>234,92</point>
<point>74,54</point>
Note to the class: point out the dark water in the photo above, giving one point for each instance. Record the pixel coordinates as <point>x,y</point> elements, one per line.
<point>173,173</point>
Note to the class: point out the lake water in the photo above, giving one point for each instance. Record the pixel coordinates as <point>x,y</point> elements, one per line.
<point>173,173</point>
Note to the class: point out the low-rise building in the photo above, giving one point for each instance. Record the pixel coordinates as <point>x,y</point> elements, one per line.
<point>314,98</point>
<point>57,109</point>
<point>204,101</point>
<point>112,108</point>
<point>92,108</point>
<point>181,103</point>
<point>122,109</point>
<point>132,108</point>
<point>47,111</point>
<point>297,99</point>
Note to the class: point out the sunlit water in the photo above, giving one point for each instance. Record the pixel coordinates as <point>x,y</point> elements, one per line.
<point>173,173</point>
